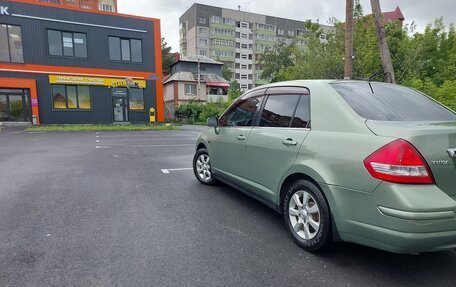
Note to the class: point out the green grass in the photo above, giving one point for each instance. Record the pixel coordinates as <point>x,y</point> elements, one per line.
<point>47,128</point>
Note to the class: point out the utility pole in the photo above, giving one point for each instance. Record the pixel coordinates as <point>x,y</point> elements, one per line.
<point>199,81</point>
<point>385,55</point>
<point>348,67</point>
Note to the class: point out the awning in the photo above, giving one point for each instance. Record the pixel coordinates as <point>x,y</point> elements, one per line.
<point>218,84</point>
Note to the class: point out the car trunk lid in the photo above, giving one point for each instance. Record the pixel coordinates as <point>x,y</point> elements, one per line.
<point>436,141</point>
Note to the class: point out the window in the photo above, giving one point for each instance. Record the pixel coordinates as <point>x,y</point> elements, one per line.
<point>11,44</point>
<point>244,25</point>
<point>136,99</point>
<point>222,31</point>
<point>106,7</point>
<point>203,42</point>
<point>67,44</point>
<point>244,46</point>
<point>242,114</point>
<point>202,31</point>
<point>202,20</point>
<point>127,50</point>
<point>244,56</point>
<point>391,103</point>
<point>301,118</point>
<point>70,97</point>
<point>190,89</point>
<point>291,33</point>
<point>244,66</point>
<point>244,36</point>
<point>243,76</point>
<point>280,32</point>
<point>279,111</point>
<point>218,53</point>
<point>203,52</point>
<point>244,86</point>
<point>266,27</point>
<point>220,42</point>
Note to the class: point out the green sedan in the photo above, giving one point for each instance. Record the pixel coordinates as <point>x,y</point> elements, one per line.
<point>363,162</point>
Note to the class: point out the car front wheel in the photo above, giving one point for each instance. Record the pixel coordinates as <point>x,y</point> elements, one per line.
<point>202,167</point>
<point>307,216</point>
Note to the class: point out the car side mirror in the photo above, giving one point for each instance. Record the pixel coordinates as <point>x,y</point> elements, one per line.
<point>212,122</point>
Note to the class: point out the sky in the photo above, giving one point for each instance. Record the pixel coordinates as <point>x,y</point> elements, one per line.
<point>422,12</point>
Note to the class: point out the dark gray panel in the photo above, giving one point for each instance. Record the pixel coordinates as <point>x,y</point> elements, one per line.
<point>35,44</point>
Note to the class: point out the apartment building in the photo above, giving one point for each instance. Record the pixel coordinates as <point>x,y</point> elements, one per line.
<point>236,38</point>
<point>100,5</point>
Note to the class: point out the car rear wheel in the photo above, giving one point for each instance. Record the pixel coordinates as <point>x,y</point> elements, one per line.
<point>202,167</point>
<point>307,216</point>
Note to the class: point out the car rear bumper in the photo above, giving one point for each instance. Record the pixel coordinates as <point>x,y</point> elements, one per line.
<point>396,218</point>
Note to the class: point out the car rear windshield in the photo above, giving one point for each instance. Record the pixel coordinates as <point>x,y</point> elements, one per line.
<point>387,102</point>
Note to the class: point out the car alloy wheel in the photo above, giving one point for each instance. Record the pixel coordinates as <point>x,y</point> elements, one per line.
<point>202,167</point>
<point>304,214</point>
<point>307,216</point>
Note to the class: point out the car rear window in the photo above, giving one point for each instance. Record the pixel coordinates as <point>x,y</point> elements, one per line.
<point>386,102</point>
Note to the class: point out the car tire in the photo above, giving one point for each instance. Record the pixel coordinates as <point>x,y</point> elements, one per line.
<point>307,216</point>
<point>202,167</point>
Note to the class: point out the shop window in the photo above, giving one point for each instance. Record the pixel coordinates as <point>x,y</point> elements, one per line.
<point>136,99</point>
<point>70,97</point>
<point>190,89</point>
<point>11,44</point>
<point>67,44</point>
<point>127,50</point>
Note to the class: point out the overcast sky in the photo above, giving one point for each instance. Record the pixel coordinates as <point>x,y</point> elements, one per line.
<point>422,12</point>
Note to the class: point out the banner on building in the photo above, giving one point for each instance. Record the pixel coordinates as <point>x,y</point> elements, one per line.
<point>97,81</point>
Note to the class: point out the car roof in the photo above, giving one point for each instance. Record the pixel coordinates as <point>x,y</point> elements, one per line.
<point>305,83</point>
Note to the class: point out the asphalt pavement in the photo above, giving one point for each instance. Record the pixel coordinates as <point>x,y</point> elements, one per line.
<point>124,209</point>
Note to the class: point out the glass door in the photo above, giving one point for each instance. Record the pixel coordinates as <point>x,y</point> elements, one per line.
<point>120,104</point>
<point>14,105</point>
<point>120,109</point>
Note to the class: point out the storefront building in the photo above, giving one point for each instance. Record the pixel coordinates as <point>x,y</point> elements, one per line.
<point>65,66</point>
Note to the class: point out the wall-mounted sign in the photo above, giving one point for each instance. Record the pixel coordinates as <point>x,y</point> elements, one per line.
<point>4,10</point>
<point>96,81</point>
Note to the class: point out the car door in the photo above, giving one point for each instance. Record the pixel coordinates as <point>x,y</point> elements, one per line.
<point>273,144</point>
<point>227,144</point>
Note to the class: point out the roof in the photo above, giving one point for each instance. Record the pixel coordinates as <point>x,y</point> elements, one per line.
<point>394,15</point>
<point>191,77</point>
<point>196,59</point>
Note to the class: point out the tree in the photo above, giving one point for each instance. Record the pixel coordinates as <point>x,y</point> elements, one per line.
<point>227,74</point>
<point>167,58</point>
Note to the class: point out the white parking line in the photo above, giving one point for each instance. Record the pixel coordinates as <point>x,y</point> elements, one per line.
<point>142,146</point>
<point>132,140</point>
<point>166,171</point>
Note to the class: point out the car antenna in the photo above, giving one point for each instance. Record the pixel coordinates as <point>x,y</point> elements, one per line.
<point>373,76</point>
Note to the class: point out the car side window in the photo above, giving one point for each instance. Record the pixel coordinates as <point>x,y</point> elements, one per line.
<point>301,117</point>
<point>278,111</point>
<point>242,114</point>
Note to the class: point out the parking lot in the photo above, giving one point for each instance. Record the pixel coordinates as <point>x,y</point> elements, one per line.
<point>124,209</point>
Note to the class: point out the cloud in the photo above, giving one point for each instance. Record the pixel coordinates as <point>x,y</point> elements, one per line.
<point>422,12</point>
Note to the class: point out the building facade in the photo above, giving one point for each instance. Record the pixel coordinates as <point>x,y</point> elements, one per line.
<point>72,65</point>
<point>236,38</point>
<point>101,5</point>
<point>194,78</point>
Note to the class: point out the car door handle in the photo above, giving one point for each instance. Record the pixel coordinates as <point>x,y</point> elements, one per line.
<point>240,137</point>
<point>289,142</point>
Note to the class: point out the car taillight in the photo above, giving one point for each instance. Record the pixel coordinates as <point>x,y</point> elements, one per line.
<point>399,162</point>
